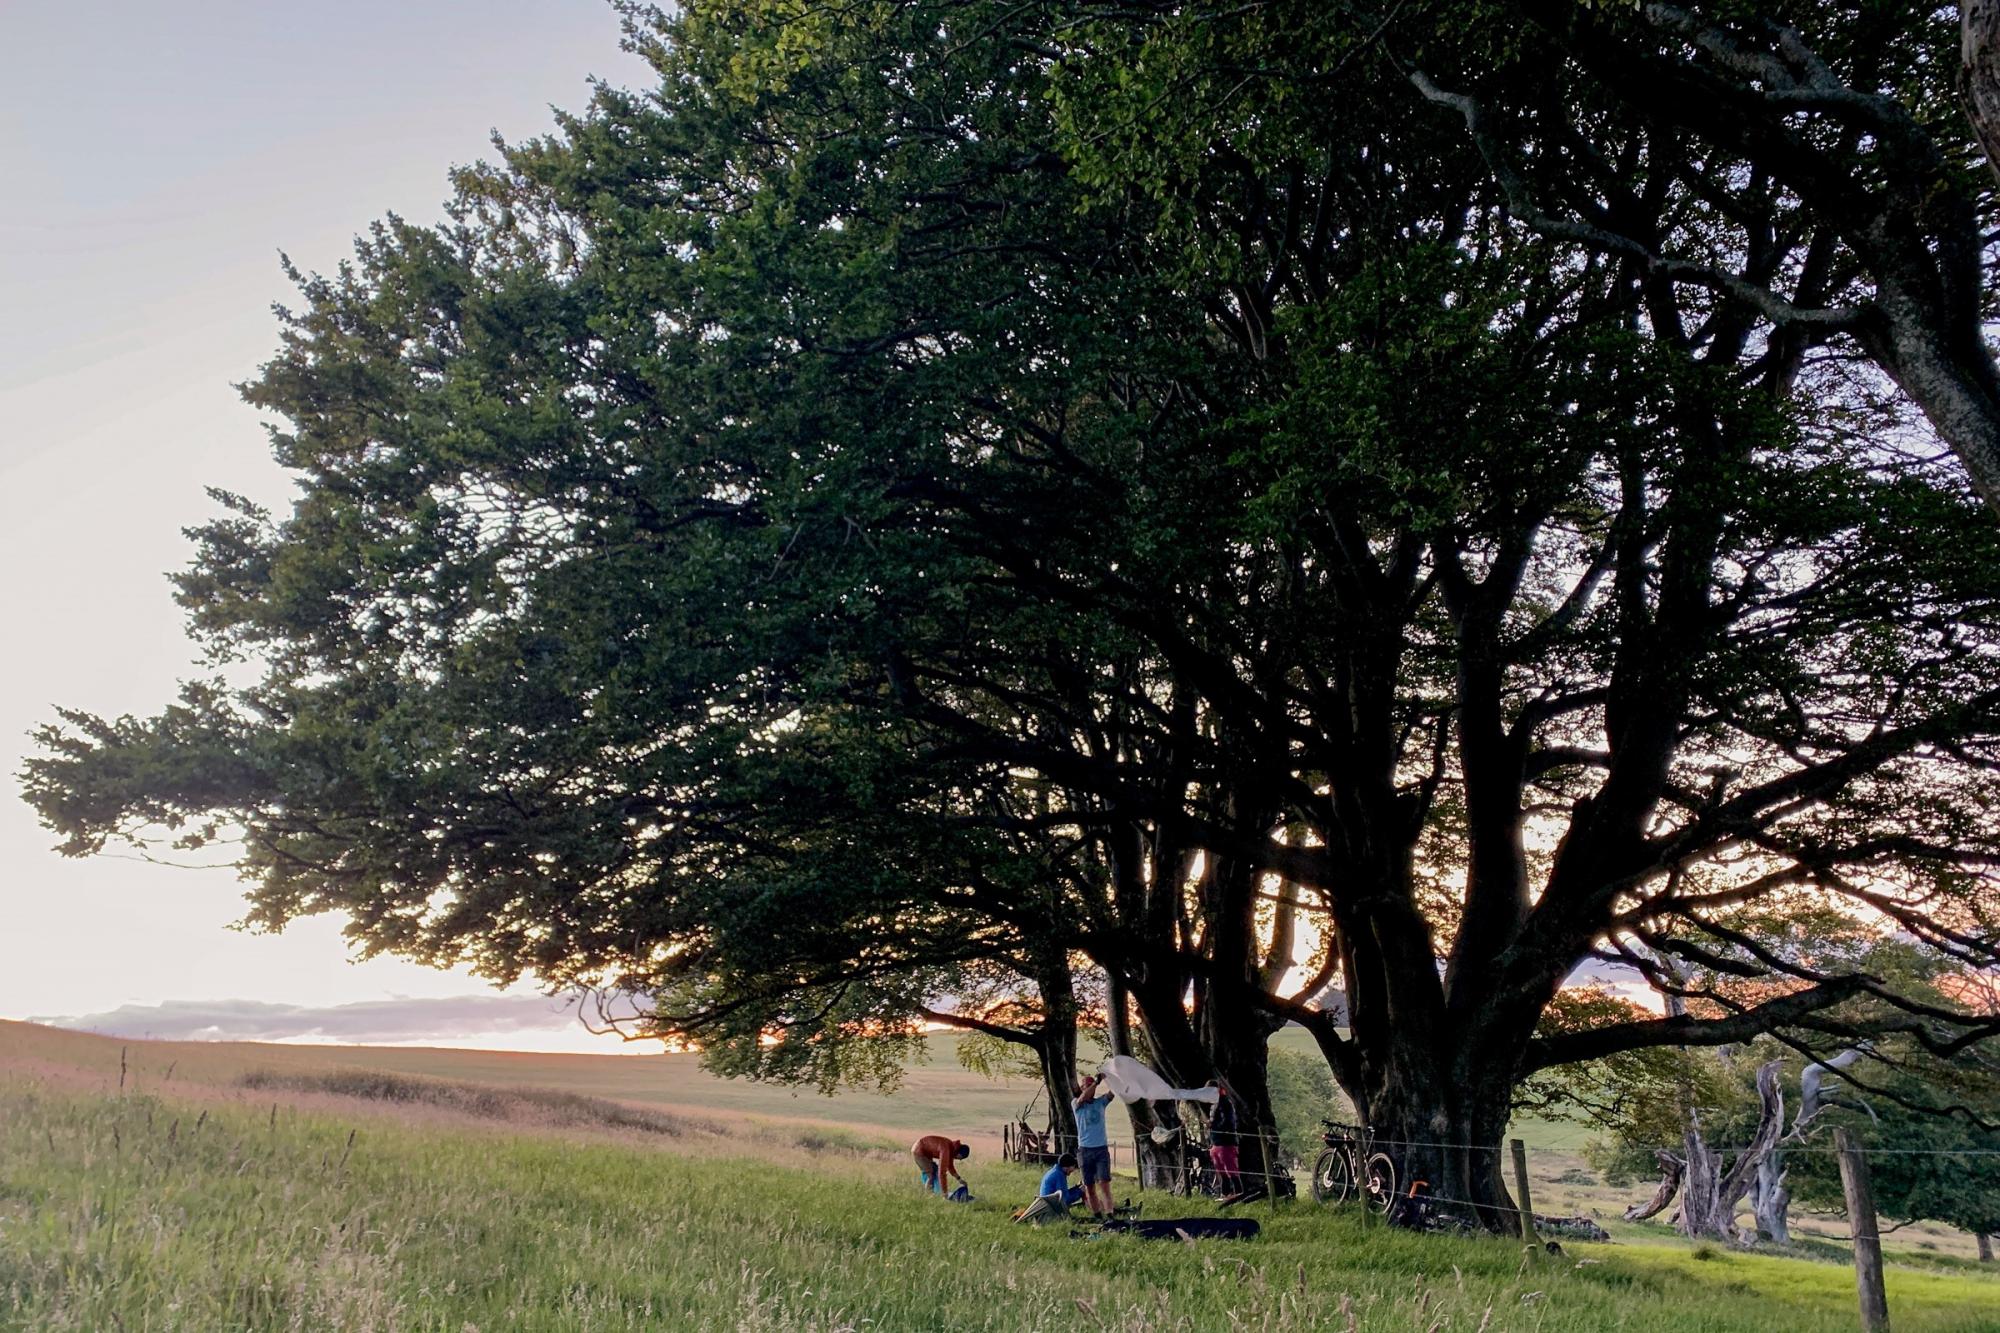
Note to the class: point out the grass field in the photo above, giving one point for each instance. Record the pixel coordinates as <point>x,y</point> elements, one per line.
<point>195,1202</point>
<point>936,1094</point>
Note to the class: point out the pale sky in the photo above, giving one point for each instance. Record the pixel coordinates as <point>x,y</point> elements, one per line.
<point>154,159</point>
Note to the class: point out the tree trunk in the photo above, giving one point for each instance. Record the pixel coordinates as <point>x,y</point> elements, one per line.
<point>1158,1164</point>
<point>1233,1039</point>
<point>1771,1201</point>
<point>1444,1137</point>
<point>1239,1047</point>
<point>1057,1051</point>
<point>1232,1023</point>
<point>1985,1247</point>
<point>1702,1213</point>
<point>1711,1194</point>
<point>1439,1111</point>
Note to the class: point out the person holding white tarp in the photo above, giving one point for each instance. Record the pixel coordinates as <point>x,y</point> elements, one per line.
<point>1131,1081</point>
<point>1093,1145</point>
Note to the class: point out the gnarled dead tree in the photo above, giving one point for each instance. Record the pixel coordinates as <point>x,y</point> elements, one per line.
<point>1672,1168</point>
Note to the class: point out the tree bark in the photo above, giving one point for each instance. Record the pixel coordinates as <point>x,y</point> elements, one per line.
<point>1702,1213</point>
<point>1711,1194</point>
<point>1233,1025</point>
<point>1979,47</point>
<point>1441,1116</point>
<point>1238,1044</point>
<point>1057,1050</point>
<point>1157,1164</point>
<point>1671,1171</point>
<point>1771,1201</point>
<point>1947,371</point>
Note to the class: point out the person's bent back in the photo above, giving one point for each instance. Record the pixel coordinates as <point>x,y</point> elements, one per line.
<point>937,1157</point>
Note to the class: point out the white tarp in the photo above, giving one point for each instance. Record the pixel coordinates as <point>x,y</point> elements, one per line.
<point>1130,1081</point>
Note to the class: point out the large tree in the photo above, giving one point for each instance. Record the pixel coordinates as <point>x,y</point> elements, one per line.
<point>840,515</point>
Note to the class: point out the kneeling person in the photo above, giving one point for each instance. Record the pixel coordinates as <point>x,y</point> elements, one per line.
<point>1055,1183</point>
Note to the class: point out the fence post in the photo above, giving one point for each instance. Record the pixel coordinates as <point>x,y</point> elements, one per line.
<point>1521,1187</point>
<point>1862,1226</point>
<point>1270,1165</point>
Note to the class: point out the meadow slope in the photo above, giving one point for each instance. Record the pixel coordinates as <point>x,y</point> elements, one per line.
<point>195,1202</point>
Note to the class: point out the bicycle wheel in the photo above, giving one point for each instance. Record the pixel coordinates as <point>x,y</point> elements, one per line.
<point>1333,1177</point>
<point>1378,1180</point>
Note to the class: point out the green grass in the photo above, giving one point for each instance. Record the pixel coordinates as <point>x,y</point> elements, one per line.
<point>205,1210</point>
<point>218,1191</point>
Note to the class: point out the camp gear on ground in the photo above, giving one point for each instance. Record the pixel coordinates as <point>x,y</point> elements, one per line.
<point>1047,1208</point>
<point>1186,1228</point>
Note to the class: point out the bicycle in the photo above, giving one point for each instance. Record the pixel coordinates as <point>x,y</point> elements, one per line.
<point>1193,1175</point>
<point>1346,1167</point>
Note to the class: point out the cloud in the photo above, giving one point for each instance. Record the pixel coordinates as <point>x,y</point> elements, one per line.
<point>452,1019</point>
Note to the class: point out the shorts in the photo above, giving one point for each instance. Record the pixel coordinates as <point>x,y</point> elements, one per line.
<point>1223,1158</point>
<point>1095,1163</point>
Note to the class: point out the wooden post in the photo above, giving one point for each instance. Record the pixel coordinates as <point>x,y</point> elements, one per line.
<point>1521,1187</point>
<point>1861,1224</point>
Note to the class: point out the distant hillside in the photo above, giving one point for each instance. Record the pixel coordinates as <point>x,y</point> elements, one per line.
<point>936,1093</point>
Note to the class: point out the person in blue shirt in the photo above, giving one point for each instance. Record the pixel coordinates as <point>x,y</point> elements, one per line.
<point>1055,1183</point>
<point>1093,1145</point>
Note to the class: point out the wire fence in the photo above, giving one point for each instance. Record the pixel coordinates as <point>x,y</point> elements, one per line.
<point>1128,1156</point>
<point>1563,1194</point>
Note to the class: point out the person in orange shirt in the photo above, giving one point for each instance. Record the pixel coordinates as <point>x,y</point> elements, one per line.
<point>937,1157</point>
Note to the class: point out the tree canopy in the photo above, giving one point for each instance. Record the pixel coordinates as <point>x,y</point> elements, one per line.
<point>945,487</point>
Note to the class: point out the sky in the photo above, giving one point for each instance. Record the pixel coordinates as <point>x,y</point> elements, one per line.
<point>155,159</point>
